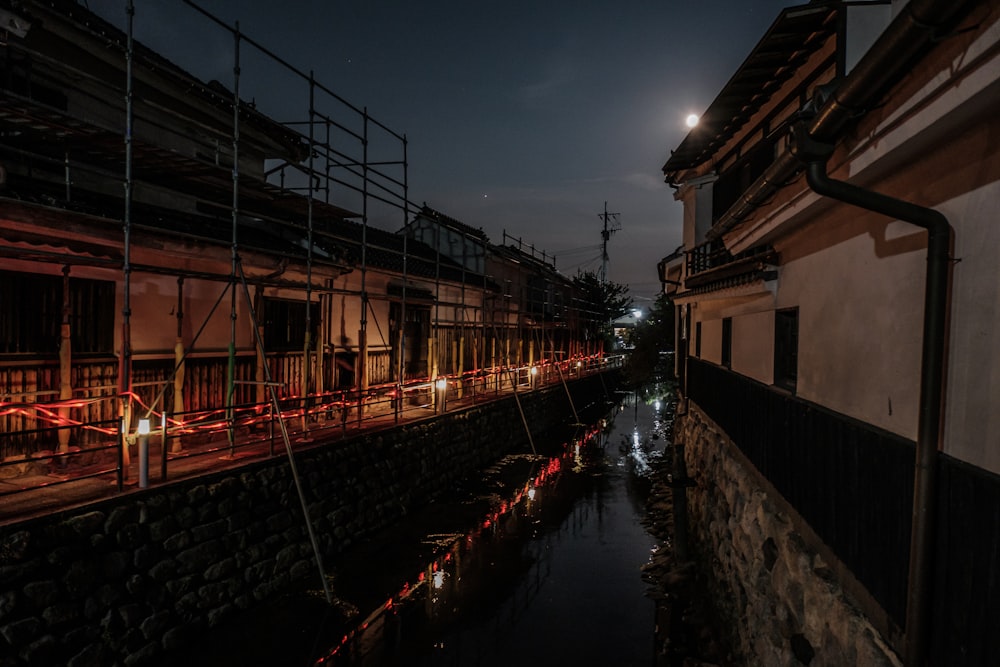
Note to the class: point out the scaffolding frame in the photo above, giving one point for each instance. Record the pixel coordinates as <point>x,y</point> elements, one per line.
<point>277,200</point>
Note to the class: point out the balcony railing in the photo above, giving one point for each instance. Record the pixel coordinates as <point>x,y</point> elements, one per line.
<point>712,262</point>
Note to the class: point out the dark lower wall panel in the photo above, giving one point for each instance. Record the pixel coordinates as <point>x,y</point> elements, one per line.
<point>853,483</point>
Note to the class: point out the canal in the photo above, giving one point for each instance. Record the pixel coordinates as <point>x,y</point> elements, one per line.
<point>537,561</point>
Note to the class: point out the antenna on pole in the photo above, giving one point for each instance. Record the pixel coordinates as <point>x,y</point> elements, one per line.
<point>611,225</point>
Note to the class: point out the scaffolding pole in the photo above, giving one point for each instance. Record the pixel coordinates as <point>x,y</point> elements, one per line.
<point>307,343</point>
<point>234,249</point>
<point>125,355</point>
<point>361,365</point>
<point>401,324</point>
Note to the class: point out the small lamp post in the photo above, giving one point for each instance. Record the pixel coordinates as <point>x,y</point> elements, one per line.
<point>442,389</point>
<point>143,432</point>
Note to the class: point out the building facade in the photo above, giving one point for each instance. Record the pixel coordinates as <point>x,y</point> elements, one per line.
<point>171,249</point>
<point>836,299</point>
<point>546,314</point>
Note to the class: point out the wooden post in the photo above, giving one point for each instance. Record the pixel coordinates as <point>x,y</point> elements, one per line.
<point>175,444</point>
<point>304,377</point>
<point>259,375</point>
<point>65,366</point>
<point>324,338</point>
<point>493,359</point>
<point>461,366</point>
<point>432,367</point>
<point>362,367</point>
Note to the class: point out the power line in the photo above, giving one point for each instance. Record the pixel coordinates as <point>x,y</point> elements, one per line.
<point>579,251</point>
<point>585,264</point>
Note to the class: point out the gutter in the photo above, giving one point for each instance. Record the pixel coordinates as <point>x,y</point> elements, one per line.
<point>906,38</point>
<point>918,23</point>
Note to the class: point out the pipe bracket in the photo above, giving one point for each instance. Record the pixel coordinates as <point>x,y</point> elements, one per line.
<point>805,147</point>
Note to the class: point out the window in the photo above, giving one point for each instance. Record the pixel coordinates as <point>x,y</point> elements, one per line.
<point>737,179</point>
<point>697,340</point>
<point>416,331</point>
<point>285,324</point>
<point>727,342</point>
<point>786,348</point>
<point>31,314</point>
<point>92,316</point>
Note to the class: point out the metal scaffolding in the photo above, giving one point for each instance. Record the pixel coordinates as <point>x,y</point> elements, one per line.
<point>262,189</point>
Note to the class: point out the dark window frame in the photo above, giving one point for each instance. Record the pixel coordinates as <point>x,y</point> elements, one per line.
<point>416,330</point>
<point>727,342</point>
<point>284,323</point>
<point>737,179</point>
<point>786,348</point>
<point>32,315</point>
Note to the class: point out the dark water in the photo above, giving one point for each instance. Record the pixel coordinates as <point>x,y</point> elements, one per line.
<point>537,563</point>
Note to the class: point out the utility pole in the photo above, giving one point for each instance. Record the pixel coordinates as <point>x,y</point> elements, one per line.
<point>609,229</point>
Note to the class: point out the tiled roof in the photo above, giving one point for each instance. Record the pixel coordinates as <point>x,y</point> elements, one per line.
<point>797,33</point>
<point>442,219</point>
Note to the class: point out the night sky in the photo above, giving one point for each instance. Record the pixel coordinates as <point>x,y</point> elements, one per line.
<point>519,116</point>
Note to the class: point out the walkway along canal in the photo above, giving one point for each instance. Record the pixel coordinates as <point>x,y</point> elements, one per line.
<point>537,560</point>
<point>155,571</point>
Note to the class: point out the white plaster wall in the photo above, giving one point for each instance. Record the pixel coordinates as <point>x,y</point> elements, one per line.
<point>346,319</point>
<point>378,323</point>
<point>711,340</point>
<point>972,411</point>
<point>860,300</point>
<point>687,196</point>
<point>154,304</point>
<point>753,346</point>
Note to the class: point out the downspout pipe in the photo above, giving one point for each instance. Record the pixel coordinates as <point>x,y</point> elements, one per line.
<point>936,296</point>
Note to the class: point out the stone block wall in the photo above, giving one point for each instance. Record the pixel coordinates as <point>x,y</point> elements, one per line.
<point>782,599</point>
<point>120,581</point>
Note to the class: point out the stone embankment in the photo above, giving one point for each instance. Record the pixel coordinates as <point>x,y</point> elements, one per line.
<point>780,597</point>
<point>123,580</point>
<point>689,632</point>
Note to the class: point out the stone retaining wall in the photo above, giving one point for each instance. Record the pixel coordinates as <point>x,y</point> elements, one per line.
<point>783,600</point>
<point>120,581</point>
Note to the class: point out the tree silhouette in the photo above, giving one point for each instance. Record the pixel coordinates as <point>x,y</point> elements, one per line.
<point>600,303</point>
<point>653,336</point>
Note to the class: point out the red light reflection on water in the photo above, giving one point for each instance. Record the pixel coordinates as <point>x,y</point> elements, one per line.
<point>549,474</point>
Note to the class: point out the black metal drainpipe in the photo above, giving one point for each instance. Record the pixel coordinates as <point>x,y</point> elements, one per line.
<point>938,288</point>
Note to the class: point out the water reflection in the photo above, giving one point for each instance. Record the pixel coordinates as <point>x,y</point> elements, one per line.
<point>471,570</point>
<point>537,562</point>
<point>550,575</point>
